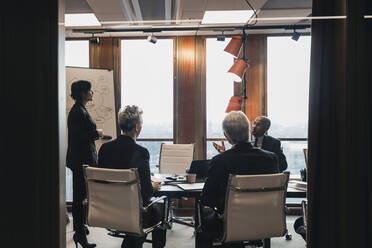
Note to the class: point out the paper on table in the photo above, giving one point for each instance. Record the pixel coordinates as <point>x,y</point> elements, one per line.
<point>298,185</point>
<point>191,186</point>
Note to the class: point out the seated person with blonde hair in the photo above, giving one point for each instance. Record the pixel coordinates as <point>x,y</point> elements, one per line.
<point>124,153</point>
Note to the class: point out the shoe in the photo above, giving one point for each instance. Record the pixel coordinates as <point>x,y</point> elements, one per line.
<point>82,240</point>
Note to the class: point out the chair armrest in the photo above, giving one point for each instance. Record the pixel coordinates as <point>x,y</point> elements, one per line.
<point>304,214</point>
<point>158,199</point>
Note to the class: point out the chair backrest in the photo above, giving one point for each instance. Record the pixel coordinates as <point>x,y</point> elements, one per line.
<point>175,158</point>
<point>255,207</point>
<point>114,199</point>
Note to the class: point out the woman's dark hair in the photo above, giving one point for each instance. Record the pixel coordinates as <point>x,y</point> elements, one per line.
<point>78,88</point>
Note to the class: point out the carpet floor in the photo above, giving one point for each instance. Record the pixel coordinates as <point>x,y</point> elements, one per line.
<point>178,237</point>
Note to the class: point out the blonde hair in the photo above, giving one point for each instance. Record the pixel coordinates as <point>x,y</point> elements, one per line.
<point>236,127</point>
<point>129,117</point>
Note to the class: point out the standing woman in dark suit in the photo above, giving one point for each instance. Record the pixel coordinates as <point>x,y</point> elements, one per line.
<point>82,132</point>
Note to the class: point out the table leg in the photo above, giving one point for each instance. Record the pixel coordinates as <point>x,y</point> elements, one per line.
<point>197,229</point>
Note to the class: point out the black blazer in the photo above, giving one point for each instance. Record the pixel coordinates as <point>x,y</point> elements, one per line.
<point>124,153</point>
<point>82,132</point>
<point>242,159</point>
<point>273,145</point>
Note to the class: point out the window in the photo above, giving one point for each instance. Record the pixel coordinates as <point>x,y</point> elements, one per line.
<point>220,88</point>
<point>76,54</point>
<point>147,81</point>
<point>288,69</point>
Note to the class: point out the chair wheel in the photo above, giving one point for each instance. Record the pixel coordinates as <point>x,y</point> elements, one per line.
<point>288,237</point>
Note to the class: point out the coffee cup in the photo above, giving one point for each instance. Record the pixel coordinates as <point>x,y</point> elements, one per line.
<point>156,185</point>
<point>191,178</point>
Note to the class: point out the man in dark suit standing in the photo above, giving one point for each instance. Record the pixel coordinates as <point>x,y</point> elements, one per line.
<point>259,128</point>
<point>124,153</point>
<point>241,159</point>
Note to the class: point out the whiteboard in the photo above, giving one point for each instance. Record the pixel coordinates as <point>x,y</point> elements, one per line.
<point>102,108</point>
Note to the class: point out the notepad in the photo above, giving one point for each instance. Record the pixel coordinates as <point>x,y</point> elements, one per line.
<point>191,186</point>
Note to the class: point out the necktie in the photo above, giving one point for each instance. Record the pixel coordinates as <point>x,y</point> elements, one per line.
<point>255,142</point>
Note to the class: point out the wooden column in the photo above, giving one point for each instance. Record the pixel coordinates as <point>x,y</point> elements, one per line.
<point>256,76</point>
<point>106,55</point>
<point>190,93</point>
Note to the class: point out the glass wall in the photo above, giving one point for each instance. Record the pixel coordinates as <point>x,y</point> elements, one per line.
<point>147,81</point>
<point>219,87</point>
<point>76,54</point>
<point>288,70</point>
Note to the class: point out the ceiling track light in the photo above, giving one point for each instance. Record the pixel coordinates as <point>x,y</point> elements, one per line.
<point>221,37</point>
<point>151,38</point>
<point>94,40</point>
<point>296,35</point>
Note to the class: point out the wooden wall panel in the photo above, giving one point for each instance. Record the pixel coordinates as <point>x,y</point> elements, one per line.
<point>256,76</point>
<point>106,55</point>
<point>200,100</point>
<point>190,93</point>
<point>186,88</point>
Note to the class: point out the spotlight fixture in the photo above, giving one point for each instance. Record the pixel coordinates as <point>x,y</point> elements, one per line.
<point>237,47</point>
<point>234,46</point>
<point>94,40</point>
<point>238,69</point>
<point>151,38</point>
<point>235,103</point>
<point>295,35</point>
<point>221,37</point>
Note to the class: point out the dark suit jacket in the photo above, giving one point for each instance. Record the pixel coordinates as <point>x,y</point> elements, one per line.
<point>242,159</point>
<point>124,153</point>
<point>273,145</point>
<point>82,132</point>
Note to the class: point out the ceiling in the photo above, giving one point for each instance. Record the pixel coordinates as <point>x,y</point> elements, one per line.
<point>117,16</point>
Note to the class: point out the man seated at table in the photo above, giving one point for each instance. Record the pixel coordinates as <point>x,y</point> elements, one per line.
<point>241,159</point>
<point>124,153</point>
<point>260,126</point>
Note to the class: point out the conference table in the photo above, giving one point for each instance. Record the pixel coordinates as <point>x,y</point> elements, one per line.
<point>172,191</point>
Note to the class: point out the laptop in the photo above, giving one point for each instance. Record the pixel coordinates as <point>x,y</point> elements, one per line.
<point>200,168</point>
